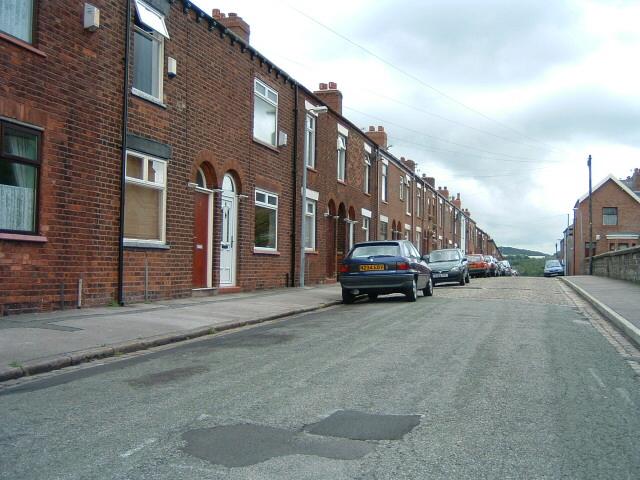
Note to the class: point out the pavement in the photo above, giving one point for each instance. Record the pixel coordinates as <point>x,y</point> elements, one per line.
<point>617,300</point>
<point>42,342</point>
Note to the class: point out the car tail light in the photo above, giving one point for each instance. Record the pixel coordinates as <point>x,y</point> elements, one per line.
<point>402,266</point>
<point>344,268</point>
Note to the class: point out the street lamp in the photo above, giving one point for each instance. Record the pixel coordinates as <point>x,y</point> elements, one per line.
<point>590,221</point>
<point>315,111</point>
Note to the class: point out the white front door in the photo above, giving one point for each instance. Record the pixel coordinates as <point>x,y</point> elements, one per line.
<point>228,240</point>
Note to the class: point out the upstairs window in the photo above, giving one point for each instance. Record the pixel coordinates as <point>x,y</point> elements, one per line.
<point>265,113</point>
<point>148,52</point>
<point>407,184</point>
<point>610,216</point>
<point>19,170</point>
<point>16,19</point>
<point>401,188</point>
<point>367,174</point>
<point>342,157</point>
<point>383,182</point>
<point>310,141</point>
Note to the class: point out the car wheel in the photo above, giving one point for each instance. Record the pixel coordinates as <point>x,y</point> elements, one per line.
<point>373,296</point>
<point>347,296</point>
<point>412,294</point>
<point>428,290</point>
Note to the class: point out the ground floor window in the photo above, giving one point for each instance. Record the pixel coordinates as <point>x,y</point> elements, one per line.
<point>384,226</point>
<point>145,198</point>
<point>19,169</point>
<point>310,225</point>
<point>266,226</point>
<point>365,228</point>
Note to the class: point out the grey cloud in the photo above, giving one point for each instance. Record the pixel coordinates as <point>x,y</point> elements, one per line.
<point>487,42</point>
<point>592,114</point>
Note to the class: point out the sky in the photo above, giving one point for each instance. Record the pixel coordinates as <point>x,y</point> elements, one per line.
<point>500,101</point>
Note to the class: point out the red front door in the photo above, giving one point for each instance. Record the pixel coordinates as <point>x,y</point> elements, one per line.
<point>200,240</point>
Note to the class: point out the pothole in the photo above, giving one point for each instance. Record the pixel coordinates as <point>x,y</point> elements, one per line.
<point>247,444</point>
<point>344,435</point>
<point>356,425</point>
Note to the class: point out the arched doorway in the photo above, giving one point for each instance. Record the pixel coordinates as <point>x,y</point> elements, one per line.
<point>202,231</point>
<point>228,244</point>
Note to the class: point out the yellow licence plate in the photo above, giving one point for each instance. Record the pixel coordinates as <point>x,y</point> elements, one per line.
<point>368,268</point>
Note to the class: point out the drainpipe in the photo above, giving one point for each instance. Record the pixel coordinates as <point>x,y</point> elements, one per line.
<point>123,160</point>
<point>295,190</point>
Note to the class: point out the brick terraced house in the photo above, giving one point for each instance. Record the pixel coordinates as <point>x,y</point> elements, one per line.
<point>616,221</point>
<point>148,151</point>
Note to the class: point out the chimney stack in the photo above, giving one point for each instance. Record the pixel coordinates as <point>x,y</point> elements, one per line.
<point>635,184</point>
<point>410,164</point>
<point>330,95</point>
<point>234,23</point>
<point>457,202</point>
<point>379,136</point>
<point>444,192</point>
<point>429,180</point>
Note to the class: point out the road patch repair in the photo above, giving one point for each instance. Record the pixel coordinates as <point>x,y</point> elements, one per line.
<point>344,435</point>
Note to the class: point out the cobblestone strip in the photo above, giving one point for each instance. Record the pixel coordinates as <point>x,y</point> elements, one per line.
<point>615,337</point>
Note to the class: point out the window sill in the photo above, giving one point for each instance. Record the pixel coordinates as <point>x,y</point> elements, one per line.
<point>259,251</point>
<point>23,44</point>
<point>367,194</point>
<point>311,252</point>
<point>21,237</point>
<point>146,245</point>
<point>311,169</point>
<point>147,97</point>
<point>342,182</point>
<point>271,147</point>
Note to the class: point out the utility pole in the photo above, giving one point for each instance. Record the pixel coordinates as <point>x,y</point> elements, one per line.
<point>590,221</point>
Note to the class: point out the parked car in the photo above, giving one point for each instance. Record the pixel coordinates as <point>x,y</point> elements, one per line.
<point>553,268</point>
<point>493,265</point>
<point>505,268</point>
<point>478,267</point>
<point>382,267</point>
<point>449,265</point>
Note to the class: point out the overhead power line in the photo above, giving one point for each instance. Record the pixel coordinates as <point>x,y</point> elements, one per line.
<point>417,79</point>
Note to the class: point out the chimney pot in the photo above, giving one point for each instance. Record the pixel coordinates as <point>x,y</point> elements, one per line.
<point>380,128</point>
<point>231,14</point>
<point>372,128</point>
<point>216,13</point>
<point>323,86</point>
<point>333,86</point>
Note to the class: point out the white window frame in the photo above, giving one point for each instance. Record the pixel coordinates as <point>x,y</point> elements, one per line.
<point>266,204</point>
<point>341,146</point>
<point>162,186</point>
<point>407,184</point>
<point>384,182</point>
<point>401,188</point>
<point>366,224</point>
<point>15,20</point>
<point>367,173</point>
<point>158,75</point>
<point>310,140</point>
<point>310,213</point>
<point>418,202</point>
<point>257,94</point>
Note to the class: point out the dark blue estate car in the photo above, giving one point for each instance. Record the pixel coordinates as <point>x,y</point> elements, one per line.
<point>378,268</point>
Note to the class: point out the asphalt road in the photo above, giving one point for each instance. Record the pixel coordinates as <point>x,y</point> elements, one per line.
<point>503,378</point>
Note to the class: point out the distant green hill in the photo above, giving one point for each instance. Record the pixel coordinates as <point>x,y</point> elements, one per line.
<point>510,251</point>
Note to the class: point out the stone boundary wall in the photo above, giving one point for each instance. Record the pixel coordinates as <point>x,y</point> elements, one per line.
<point>621,264</point>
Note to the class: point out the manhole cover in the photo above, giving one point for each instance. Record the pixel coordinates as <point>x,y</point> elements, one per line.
<point>364,426</point>
<point>247,444</point>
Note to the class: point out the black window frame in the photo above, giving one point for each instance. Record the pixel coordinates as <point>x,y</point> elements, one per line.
<point>36,163</point>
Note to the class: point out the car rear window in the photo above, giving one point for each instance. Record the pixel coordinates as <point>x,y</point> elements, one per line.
<point>475,258</point>
<point>444,256</point>
<point>376,250</point>
<point>552,263</point>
